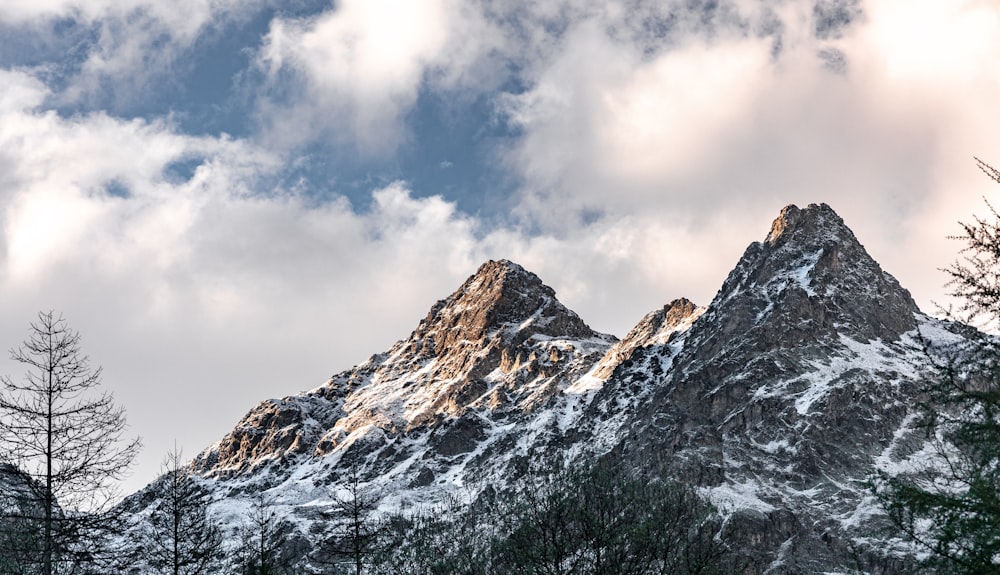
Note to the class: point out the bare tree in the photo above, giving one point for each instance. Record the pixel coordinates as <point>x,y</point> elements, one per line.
<point>358,535</point>
<point>261,542</point>
<point>67,438</point>
<point>183,539</point>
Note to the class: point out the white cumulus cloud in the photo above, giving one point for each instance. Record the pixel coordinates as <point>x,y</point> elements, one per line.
<point>652,142</point>
<point>356,70</point>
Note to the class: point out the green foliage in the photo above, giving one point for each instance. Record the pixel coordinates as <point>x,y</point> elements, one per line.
<point>950,505</point>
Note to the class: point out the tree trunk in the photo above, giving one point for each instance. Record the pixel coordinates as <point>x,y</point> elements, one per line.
<point>49,497</point>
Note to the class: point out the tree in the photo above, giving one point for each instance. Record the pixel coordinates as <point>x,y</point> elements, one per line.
<point>261,541</point>
<point>182,540</point>
<point>950,505</point>
<point>975,279</point>
<point>358,535</point>
<point>599,519</point>
<point>68,439</point>
<point>449,539</point>
<point>592,519</point>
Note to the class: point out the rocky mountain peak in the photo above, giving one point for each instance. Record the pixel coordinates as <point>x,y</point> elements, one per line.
<point>503,300</point>
<point>658,327</point>
<point>500,342</point>
<point>817,222</point>
<point>788,387</point>
<point>677,312</point>
<point>810,273</point>
<point>801,295</point>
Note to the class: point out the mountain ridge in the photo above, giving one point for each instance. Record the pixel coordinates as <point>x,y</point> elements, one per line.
<point>776,399</point>
<point>793,380</point>
<point>501,341</point>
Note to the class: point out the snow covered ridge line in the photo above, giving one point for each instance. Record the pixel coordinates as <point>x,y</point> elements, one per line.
<point>776,400</point>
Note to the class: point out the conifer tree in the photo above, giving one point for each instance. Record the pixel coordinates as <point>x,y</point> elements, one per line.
<point>951,505</point>
<point>68,439</point>
<point>183,540</point>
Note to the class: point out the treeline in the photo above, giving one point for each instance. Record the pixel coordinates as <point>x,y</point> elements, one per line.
<point>592,519</point>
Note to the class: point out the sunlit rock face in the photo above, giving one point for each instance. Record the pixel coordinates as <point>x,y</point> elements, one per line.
<point>777,399</point>
<point>658,327</point>
<point>501,344</point>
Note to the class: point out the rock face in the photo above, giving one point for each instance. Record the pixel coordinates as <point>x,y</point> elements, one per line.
<point>501,344</point>
<point>16,486</point>
<point>777,399</point>
<point>789,386</point>
<point>658,327</point>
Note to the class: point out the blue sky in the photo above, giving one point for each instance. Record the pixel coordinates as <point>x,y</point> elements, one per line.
<point>234,199</point>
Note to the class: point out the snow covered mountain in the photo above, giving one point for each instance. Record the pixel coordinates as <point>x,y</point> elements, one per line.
<point>500,347</point>
<point>778,399</point>
<point>797,379</point>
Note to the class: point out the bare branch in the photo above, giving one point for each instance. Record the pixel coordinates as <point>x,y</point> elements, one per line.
<point>67,440</point>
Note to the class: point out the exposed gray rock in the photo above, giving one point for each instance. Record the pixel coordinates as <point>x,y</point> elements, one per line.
<point>658,327</point>
<point>778,399</point>
<point>790,384</point>
<point>501,343</point>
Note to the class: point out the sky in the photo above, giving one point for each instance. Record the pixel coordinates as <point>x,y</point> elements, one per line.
<point>232,200</point>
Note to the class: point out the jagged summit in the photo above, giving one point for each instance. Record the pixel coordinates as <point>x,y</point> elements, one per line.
<point>793,379</point>
<point>809,274</point>
<point>502,323</point>
<point>501,342</point>
<point>658,327</point>
<point>501,298</point>
<point>816,219</point>
<point>489,322</point>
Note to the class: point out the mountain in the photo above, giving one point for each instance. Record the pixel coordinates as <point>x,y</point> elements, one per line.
<point>778,400</point>
<point>498,351</point>
<point>800,374</point>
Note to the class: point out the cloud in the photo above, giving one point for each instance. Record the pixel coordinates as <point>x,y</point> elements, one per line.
<point>60,170</point>
<point>765,106</point>
<point>355,71</point>
<point>120,49</point>
<point>604,118</point>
